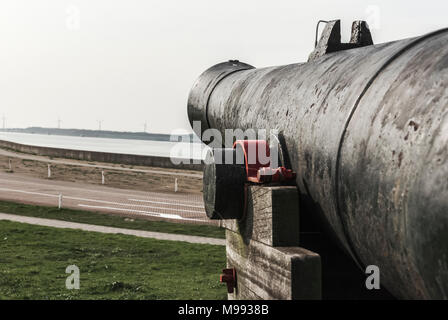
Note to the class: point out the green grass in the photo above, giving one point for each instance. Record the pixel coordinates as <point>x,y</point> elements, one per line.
<point>33,261</point>
<point>110,220</point>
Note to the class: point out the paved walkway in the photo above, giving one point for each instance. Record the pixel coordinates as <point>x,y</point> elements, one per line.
<point>103,229</point>
<point>175,207</point>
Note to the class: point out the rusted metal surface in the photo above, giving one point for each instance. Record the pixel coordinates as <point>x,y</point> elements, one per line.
<point>366,131</point>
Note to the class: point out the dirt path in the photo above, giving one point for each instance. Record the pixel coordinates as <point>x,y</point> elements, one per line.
<point>116,175</point>
<point>108,166</point>
<point>102,229</point>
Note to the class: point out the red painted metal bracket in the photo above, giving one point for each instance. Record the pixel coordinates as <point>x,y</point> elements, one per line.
<point>229,277</point>
<point>257,156</point>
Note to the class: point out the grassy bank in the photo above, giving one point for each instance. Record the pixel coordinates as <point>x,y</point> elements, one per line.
<point>109,220</point>
<point>33,261</point>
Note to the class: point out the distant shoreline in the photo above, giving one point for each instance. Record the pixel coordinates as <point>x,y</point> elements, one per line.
<point>105,134</point>
<point>107,157</point>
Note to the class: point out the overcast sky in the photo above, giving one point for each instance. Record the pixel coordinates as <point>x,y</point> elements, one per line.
<point>129,61</point>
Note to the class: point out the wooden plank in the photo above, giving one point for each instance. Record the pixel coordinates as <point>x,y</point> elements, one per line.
<point>272,216</point>
<point>264,272</point>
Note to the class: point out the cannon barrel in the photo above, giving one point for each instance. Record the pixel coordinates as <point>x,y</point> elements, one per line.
<point>366,131</point>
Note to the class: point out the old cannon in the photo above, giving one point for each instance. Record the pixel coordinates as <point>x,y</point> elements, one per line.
<point>365,129</point>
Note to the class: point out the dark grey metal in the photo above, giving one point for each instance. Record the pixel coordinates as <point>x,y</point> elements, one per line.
<point>330,40</point>
<point>366,130</point>
<point>223,187</point>
<point>206,84</point>
<point>317,30</point>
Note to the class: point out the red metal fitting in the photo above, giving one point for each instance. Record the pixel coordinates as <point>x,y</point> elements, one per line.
<point>259,170</point>
<point>281,174</point>
<point>253,151</point>
<point>229,277</point>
